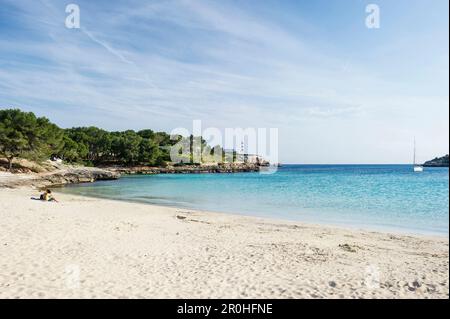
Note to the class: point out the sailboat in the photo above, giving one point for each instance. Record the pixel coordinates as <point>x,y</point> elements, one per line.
<point>417,168</point>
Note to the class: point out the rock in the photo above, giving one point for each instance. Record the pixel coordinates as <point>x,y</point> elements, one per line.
<point>348,248</point>
<point>332,284</point>
<point>438,162</point>
<point>63,177</point>
<point>65,174</point>
<point>415,285</point>
<point>189,169</point>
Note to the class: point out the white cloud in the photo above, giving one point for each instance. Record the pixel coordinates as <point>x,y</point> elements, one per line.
<point>165,63</point>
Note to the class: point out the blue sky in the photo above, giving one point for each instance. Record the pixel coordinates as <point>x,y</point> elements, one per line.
<point>337,91</point>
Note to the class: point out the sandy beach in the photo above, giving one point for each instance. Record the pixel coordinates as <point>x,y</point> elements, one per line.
<point>94,248</point>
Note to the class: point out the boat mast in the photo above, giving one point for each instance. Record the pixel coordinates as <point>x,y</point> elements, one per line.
<point>414,157</point>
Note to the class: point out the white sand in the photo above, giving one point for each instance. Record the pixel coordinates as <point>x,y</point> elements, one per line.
<point>93,248</point>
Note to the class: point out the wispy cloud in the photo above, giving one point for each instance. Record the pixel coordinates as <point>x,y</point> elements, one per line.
<point>163,63</point>
<point>106,46</point>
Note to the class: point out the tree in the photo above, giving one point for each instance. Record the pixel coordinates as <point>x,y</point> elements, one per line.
<point>149,134</point>
<point>148,152</point>
<point>73,151</point>
<point>22,134</point>
<point>97,141</point>
<point>126,146</point>
<point>163,139</point>
<point>50,139</point>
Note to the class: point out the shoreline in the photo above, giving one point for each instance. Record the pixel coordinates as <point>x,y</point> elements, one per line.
<point>125,249</point>
<point>72,175</point>
<point>351,227</point>
<point>55,175</point>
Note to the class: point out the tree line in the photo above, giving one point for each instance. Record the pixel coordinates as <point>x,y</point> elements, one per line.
<point>24,135</point>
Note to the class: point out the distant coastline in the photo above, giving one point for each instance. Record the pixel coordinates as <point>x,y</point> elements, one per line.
<point>33,174</point>
<point>438,162</point>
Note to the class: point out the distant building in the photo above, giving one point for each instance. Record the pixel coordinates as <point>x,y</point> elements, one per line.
<point>242,157</point>
<point>229,154</point>
<point>249,158</point>
<point>252,158</point>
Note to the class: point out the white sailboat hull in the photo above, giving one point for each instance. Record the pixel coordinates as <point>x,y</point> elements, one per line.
<point>418,169</point>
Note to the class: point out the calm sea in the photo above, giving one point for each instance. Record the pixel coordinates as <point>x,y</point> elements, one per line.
<point>378,197</point>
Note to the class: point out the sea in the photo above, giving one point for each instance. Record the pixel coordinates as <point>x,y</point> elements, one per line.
<point>389,198</point>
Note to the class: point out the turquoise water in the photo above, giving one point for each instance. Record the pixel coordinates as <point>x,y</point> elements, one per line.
<point>379,197</point>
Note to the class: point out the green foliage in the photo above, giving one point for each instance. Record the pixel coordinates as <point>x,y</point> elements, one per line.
<point>24,135</point>
<point>149,134</point>
<point>95,140</point>
<point>72,151</point>
<point>149,152</point>
<point>127,146</point>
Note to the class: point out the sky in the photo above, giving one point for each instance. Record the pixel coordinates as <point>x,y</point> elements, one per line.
<point>337,91</point>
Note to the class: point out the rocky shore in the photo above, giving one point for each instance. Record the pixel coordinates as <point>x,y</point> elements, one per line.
<point>188,169</point>
<point>58,177</point>
<point>61,174</point>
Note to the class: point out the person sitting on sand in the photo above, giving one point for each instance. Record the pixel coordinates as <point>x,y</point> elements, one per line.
<point>47,196</point>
